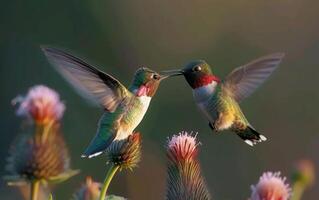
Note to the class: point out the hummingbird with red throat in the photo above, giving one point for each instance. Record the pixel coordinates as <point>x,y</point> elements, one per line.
<point>219,99</point>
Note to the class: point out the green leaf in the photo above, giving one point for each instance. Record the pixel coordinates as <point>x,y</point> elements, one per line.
<point>15,180</point>
<point>113,197</point>
<point>63,177</point>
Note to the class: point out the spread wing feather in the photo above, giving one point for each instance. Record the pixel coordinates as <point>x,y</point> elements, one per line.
<point>91,83</point>
<point>244,80</point>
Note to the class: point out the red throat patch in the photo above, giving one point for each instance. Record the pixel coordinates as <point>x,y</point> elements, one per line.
<point>205,80</point>
<point>142,91</point>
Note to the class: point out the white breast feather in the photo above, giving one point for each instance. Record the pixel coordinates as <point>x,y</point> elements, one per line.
<point>122,134</point>
<point>203,93</point>
<point>201,96</point>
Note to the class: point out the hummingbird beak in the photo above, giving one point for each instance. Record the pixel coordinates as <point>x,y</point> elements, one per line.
<point>163,77</point>
<point>171,73</point>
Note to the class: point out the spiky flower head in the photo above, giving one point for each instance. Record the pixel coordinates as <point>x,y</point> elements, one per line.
<point>32,158</point>
<point>184,181</point>
<point>304,173</point>
<point>271,186</point>
<point>125,153</point>
<point>41,104</point>
<point>182,147</point>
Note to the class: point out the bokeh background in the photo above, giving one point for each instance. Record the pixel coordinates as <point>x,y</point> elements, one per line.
<point>120,36</point>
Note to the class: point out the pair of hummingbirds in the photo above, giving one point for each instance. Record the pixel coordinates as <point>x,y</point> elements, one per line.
<point>124,108</point>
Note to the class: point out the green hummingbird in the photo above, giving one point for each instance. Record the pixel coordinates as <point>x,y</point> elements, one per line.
<point>124,108</point>
<point>219,99</point>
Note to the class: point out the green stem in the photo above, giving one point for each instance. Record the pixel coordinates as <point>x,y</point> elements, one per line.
<point>35,189</point>
<point>109,176</point>
<point>297,191</point>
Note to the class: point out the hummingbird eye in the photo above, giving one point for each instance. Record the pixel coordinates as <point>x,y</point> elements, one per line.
<point>197,69</point>
<point>156,76</point>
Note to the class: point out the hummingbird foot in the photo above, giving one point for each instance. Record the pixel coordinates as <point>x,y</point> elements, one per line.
<point>213,127</point>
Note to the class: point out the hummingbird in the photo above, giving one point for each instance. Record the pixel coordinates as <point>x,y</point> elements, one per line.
<point>219,99</point>
<point>124,108</point>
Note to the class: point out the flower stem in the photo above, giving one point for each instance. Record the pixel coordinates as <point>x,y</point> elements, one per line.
<point>35,189</point>
<point>109,176</point>
<point>297,191</point>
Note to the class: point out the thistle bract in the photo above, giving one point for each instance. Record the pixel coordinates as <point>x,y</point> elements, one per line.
<point>32,158</point>
<point>125,153</point>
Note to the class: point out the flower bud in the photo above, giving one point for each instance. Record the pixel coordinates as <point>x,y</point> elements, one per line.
<point>125,153</point>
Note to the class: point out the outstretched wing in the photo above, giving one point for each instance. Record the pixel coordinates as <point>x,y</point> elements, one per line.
<point>244,80</point>
<point>91,83</point>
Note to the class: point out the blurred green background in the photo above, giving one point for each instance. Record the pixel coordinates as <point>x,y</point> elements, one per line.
<point>120,36</point>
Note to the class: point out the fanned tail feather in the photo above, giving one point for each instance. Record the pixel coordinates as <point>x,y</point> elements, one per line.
<point>251,136</point>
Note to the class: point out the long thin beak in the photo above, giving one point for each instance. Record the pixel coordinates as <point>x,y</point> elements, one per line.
<point>170,73</point>
<point>164,77</point>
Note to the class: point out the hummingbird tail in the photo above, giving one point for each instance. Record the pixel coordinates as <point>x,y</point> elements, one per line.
<point>251,136</point>
<point>97,146</point>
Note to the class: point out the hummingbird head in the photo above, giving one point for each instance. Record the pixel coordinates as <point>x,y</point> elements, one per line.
<point>197,73</point>
<point>146,82</point>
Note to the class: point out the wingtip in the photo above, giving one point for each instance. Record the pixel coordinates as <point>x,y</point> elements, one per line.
<point>44,48</point>
<point>281,55</point>
<point>275,55</point>
<point>278,55</point>
<point>47,50</point>
<point>50,50</point>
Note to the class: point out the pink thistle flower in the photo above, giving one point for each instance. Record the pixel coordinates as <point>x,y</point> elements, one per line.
<point>182,147</point>
<point>271,187</point>
<point>184,177</point>
<point>42,104</point>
